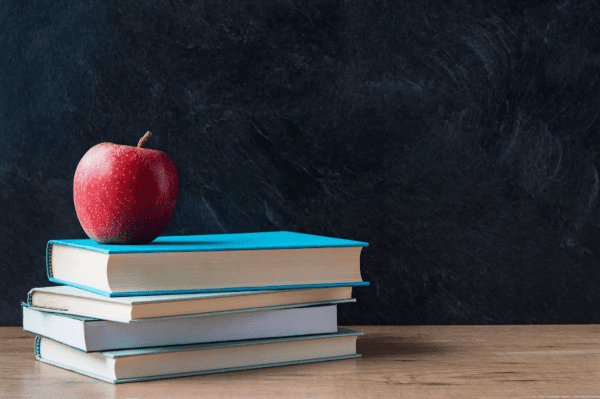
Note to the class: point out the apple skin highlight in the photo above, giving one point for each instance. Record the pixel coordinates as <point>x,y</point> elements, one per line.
<point>125,194</point>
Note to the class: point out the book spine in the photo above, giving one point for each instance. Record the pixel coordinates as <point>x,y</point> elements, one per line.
<point>37,347</point>
<point>49,260</point>
<point>29,297</point>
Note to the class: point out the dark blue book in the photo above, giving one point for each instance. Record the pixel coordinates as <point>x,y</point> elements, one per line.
<point>206,263</point>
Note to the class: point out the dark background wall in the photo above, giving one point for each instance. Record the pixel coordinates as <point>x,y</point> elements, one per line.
<point>459,138</point>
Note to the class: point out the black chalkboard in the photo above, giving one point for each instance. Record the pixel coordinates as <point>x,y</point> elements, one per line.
<point>458,138</point>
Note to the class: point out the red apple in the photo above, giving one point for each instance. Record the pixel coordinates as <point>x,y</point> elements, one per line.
<point>125,194</point>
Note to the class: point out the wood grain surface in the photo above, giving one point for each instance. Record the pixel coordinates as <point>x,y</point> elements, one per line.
<point>533,361</point>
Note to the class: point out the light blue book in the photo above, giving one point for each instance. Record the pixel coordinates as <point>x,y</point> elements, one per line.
<point>89,334</point>
<point>188,360</point>
<point>206,263</point>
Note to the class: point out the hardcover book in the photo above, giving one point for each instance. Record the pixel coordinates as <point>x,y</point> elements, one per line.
<point>90,334</point>
<point>71,300</point>
<point>206,263</point>
<point>187,360</point>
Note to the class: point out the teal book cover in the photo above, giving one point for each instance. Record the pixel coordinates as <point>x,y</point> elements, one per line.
<point>216,242</point>
<point>70,356</point>
<point>208,243</point>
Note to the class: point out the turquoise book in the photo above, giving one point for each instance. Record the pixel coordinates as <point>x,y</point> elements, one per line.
<point>141,364</point>
<point>279,260</point>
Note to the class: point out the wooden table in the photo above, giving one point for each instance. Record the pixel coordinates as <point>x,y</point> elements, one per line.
<point>556,361</point>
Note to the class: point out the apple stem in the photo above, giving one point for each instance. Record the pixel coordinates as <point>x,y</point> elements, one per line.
<point>143,139</point>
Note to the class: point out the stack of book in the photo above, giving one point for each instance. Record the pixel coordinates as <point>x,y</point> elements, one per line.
<point>190,305</point>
